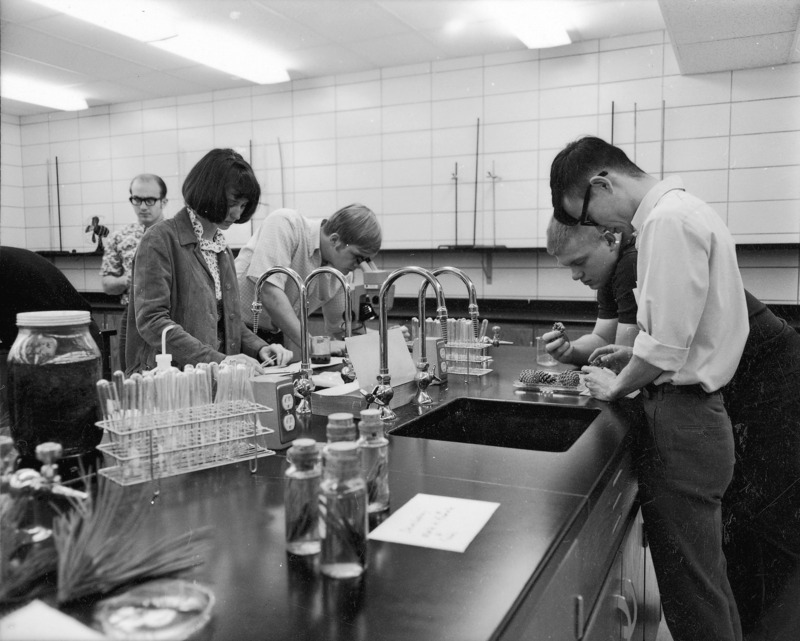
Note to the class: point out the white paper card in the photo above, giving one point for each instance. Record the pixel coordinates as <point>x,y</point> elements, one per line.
<point>38,621</point>
<point>364,353</point>
<point>439,522</point>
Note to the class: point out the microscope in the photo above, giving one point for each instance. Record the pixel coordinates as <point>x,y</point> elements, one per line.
<point>365,295</point>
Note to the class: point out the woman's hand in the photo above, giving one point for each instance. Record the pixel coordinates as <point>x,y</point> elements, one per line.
<point>614,357</point>
<point>557,345</point>
<point>598,381</point>
<point>275,355</point>
<point>236,359</point>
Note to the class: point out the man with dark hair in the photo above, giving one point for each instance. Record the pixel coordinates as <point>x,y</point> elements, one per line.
<point>693,325</point>
<point>349,237</point>
<point>148,196</point>
<point>761,507</point>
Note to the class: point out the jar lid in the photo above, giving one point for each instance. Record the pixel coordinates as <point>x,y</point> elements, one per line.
<point>341,419</point>
<point>371,424</point>
<point>55,318</point>
<point>371,416</point>
<point>303,450</point>
<point>341,451</point>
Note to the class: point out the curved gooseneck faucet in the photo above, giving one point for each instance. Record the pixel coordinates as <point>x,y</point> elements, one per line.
<point>304,385</point>
<point>471,292</point>
<point>347,371</point>
<point>383,392</point>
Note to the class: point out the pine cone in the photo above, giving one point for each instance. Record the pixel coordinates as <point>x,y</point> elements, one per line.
<point>569,379</point>
<point>537,377</point>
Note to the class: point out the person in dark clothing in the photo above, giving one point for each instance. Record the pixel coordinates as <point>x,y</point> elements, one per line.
<point>761,507</point>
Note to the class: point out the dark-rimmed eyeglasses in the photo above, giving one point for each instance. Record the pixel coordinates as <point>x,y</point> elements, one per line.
<point>136,201</point>
<point>563,217</point>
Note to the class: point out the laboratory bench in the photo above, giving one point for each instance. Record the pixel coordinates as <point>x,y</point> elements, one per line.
<point>562,557</point>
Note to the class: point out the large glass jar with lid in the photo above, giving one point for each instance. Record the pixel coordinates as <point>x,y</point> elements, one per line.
<point>53,368</point>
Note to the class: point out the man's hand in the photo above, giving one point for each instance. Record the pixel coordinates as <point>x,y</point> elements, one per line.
<point>557,345</point>
<point>614,357</point>
<point>599,381</point>
<point>338,348</point>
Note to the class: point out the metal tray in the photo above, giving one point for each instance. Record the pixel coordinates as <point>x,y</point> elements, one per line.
<point>542,388</point>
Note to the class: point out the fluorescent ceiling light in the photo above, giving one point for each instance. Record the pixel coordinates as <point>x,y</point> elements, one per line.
<point>537,23</point>
<point>39,93</point>
<point>226,53</point>
<point>146,21</point>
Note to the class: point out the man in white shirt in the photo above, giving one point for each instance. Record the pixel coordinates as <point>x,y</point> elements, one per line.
<point>349,237</point>
<point>693,321</point>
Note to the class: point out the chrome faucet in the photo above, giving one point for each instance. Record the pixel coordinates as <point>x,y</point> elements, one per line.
<point>471,292</point>
<point>348,373</point>
<point>304,385</point>
<point>383,393</point>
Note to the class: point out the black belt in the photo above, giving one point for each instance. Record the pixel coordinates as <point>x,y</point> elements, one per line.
<point>651,390</point>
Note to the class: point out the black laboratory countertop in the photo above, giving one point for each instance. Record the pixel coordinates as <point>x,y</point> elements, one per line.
<point>407,592</point>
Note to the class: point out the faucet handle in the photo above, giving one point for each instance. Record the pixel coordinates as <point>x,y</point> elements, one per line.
<point>303,387</point>
<point>348,372</point>
<point>48,453</point>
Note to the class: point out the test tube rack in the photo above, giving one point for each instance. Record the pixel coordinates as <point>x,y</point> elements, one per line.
<point>468,357</point>
<point>182,440</point>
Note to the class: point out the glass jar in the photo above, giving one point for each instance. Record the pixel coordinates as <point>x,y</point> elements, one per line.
<point>53,368</point>
<point>343,503</point>
<point>301,497</point>
<point>373,447</point>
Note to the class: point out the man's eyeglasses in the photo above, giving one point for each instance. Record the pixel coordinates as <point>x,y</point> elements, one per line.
<point>563,217</point>
<point>135,200</point>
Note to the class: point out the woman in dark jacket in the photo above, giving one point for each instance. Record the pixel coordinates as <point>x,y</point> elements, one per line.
<point>184,275</point>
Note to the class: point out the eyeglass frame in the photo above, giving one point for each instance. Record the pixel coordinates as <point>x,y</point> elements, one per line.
<point>564,218</point>
<point>143,200</point>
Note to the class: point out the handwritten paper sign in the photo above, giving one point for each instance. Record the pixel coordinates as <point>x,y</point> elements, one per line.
<point>439,522</point>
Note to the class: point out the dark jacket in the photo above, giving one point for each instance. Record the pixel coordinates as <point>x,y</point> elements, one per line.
<point>173,285</point>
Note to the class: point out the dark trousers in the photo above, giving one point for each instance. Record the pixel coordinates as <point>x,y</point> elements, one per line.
<point>686,459</point>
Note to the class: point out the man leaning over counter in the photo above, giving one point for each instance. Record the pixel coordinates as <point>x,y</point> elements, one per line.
<point>693,321</point>
<point>761,507</point>
<point>349,237</point>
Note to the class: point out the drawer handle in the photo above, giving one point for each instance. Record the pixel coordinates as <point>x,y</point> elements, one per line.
<point>621,603</point>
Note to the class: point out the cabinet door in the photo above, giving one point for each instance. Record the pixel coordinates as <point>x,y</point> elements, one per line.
<point>604,622</point>
<point>619,613</point>
<point>630,597</point>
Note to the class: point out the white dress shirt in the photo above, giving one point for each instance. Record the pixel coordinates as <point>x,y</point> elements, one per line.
<point>690,295</point>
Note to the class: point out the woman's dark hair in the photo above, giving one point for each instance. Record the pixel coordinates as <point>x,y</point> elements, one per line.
<point>574,166</point>
<point>205,187</point>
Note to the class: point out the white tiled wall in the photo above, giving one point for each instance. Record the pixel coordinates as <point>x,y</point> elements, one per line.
<point>410,142</point>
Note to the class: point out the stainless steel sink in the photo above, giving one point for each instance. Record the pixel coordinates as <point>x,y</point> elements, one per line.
<point>525,426</point>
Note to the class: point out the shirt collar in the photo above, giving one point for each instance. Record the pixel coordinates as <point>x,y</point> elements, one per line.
<point>652,197</point>
<point>216,244</point>
<point>315,236</point>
